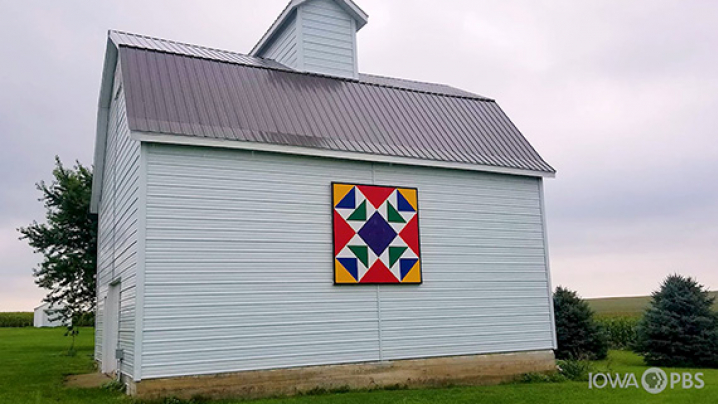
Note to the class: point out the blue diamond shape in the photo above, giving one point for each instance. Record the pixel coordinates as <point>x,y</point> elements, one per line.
<point>377,233</point>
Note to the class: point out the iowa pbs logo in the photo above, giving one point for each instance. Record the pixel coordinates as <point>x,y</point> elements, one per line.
<point>653,380</point>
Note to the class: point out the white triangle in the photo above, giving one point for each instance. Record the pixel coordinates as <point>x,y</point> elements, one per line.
<point>398,227</point>
<point>356,225</point>
<point>407,215</point>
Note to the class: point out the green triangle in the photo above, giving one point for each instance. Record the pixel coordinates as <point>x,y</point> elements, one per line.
<point>361,252</point>
<point>395,253</point>
<point>393,215</point>
<point>359,213</point>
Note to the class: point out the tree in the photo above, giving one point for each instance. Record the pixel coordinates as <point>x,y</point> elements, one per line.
<point>579,335</point>
<point>67,241</point>
<point>679,328</point>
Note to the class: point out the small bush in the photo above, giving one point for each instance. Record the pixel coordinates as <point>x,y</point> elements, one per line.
<point>621,331</point>
<point>18,319</point>
<point>114,385</point>
<point>574,370</point>
<point>679,328</point>
<point>555,377</point>
<point>578,335</point>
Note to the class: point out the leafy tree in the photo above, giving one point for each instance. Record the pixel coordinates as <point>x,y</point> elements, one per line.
<point>67,241</point>
<point>579,335</point>
<point>679,328</point>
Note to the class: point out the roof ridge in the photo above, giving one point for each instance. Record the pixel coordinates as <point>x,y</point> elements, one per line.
<point>428,82</point>
<point>154,38</point>
<point>286,69</point>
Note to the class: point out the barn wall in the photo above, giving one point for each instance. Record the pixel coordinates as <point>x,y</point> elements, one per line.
<point>239,266</point>
<point>117,232</point>
<point>485,278</point>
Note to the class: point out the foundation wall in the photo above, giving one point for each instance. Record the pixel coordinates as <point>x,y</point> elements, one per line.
<point>432,372</point>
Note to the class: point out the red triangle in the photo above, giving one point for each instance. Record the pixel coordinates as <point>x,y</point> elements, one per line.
<point>379,273</point>
<point>410,234</point>
<point>375,195</point>
<point>342,233</point>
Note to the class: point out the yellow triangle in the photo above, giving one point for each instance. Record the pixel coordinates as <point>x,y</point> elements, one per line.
<point>340,191</point>
<point>414,276</point>
<point>409,195</point>
<point>341,275</point>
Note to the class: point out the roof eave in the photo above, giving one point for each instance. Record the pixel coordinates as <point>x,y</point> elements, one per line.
<point>349,6</point>
<point>103,111</point>
<point>167,138</point>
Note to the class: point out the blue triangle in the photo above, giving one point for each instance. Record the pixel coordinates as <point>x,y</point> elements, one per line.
<point>349,201</point>
<point>402,204</point>
<point>351,265</point>
<point>405,265</point>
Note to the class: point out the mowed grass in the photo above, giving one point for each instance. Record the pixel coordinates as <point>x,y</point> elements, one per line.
<point>33,363</point>
<point>626,306</point>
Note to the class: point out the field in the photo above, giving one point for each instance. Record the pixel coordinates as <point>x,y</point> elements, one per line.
<point>626,306</point>
<point>34,362</point>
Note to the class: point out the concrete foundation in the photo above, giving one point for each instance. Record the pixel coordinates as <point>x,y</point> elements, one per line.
<point>430,372</point>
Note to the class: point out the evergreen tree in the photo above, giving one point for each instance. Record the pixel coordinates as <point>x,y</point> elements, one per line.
<point>579,335</point>
<point>679,328</point>
<point>68,241</point>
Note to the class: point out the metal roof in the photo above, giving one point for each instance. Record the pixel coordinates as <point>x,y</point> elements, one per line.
<point>192,91</point>
<point>120,38</point>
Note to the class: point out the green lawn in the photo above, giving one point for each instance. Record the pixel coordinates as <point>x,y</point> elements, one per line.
<point>626,306</point>
<point>33,363</point>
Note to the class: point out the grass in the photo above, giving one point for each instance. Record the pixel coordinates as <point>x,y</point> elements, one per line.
<point>626,306</point>
<point>33,363</point>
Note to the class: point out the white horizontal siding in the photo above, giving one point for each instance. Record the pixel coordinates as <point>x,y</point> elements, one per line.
<point>328,39</point>
<point>283,47</point>
<point>239,266</point>
<point>236,276</point>
<point>485,280</point>
<point>118,227</point>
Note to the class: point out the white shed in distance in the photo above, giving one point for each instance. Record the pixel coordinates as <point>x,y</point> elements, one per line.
<point>44,314</point>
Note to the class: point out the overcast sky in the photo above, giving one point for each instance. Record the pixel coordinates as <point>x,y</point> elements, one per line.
<point>621,97</point>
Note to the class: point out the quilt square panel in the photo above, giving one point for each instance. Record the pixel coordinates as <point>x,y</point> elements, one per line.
<point>376,234</point>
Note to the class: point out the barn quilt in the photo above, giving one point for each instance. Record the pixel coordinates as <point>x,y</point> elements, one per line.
<point>376,234</point>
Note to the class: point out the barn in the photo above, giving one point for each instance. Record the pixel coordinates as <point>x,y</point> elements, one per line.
<point>45,316</point>
<point>277,221</point>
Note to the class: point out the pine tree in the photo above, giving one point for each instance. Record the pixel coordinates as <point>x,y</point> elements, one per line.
<point>578,334</point>
<point>679,328</point>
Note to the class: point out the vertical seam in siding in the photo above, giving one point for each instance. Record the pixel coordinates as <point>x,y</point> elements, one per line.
<point>140,267</point>
<point>548,267</point>
<point>378,293</point>
<point>378,312</point>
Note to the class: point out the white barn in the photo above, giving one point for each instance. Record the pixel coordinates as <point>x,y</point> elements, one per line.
<point>44,316</point>
<point>230,190</point>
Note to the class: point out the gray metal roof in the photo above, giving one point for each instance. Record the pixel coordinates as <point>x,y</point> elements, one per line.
<point>200,92</point>
<point>120,38</point>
